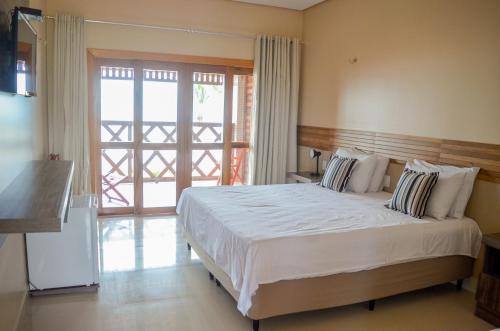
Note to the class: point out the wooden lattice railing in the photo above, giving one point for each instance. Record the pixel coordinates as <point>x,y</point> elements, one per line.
<point>119,131</point>
<point>165,132</point>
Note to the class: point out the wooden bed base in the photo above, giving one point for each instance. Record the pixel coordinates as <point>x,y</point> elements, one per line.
<point>292,296</point>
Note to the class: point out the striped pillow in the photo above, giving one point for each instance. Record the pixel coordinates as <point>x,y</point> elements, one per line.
<point>337,173</point>
<point>412,192</point>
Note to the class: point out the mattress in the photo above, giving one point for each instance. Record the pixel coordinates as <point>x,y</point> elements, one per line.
<point>264,234</point>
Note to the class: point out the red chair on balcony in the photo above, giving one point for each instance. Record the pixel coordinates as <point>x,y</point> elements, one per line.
<point>235,169</point>
<point>110,181</point>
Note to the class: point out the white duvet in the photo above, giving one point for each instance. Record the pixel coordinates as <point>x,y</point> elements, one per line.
<point>264,234</point>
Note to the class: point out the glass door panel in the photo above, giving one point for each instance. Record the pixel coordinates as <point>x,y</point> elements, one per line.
<point>208,107</point>
<point>241,128</point>
<point>159,171</point>
<point>242,108</point>
<point>117,104</point>
<point>159,128</point>
<point>117,168</point>
<point>159,106</point>
<point>116,137</point>
<point>206,167</point>
<point>208,128</point>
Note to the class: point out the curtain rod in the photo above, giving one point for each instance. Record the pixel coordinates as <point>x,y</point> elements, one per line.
<point>170,28</point>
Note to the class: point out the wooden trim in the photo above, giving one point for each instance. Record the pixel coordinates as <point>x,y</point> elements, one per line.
<point>401,148</point>
<point>239,71</point>
<point>112,211</point>
<point>184,132</point>
<point>240,144</point>
<point>208,68</point>
<point>228,127</point>
<point>159,146</point>
<point>108,62</point>
<point>138,112</point>
<point>117,145</point>
<point>148,56</point>
<point>158,210</point>
<point>158,65</point>
<point>201,146</point>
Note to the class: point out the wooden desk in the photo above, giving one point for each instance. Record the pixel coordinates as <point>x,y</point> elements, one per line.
<point>488,288</point>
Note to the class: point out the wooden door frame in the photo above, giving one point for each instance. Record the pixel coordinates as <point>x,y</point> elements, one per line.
<point>185,65</point>
<point>138,114</point>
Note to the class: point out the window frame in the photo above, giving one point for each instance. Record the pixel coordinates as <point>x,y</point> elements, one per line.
<point>185,66</point>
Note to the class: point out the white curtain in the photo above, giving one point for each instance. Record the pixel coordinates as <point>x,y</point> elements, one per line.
<point>68,116</point>
<point>274,141</point>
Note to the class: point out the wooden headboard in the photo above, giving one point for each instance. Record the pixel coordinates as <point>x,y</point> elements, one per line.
<point>400,148</point>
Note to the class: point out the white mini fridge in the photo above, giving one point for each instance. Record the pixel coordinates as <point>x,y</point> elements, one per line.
<point>66,261</point>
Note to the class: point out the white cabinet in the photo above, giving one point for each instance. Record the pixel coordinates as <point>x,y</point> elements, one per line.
<point>68,258</point>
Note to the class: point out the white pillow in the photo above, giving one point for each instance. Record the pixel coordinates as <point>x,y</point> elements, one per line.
<point>377,181</point>
<point>457,210</point>
<point>363,169</point>
<point>445,191</point>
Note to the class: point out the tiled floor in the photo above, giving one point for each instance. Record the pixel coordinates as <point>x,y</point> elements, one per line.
<point>150,281</point>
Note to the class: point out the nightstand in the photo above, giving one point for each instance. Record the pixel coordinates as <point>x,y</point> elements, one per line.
<point>304,177</point>
<point>488,287</point>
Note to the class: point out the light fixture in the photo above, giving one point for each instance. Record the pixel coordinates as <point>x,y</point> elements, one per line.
<point>313,153</point>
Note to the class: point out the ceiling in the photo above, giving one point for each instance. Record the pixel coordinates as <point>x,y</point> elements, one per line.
<point>291,4</point>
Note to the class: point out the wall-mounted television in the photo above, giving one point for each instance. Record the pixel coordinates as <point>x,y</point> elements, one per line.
<point>18,43</point>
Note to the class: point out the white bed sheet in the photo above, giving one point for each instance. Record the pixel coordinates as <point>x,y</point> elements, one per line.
<point>264,234</point>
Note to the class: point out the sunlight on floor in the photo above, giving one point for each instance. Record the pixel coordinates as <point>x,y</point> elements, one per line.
<point>135,244</point>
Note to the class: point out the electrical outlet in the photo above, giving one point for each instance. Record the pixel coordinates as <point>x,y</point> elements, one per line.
<point>387,181</point>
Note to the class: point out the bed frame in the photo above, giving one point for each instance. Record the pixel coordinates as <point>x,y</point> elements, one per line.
<point>293,296</point>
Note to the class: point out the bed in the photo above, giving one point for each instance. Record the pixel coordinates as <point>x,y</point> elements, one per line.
<point>280,249</point>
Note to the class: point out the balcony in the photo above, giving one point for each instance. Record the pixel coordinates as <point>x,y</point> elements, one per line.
<point>159,165</point>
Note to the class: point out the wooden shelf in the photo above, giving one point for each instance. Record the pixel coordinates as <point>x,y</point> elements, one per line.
<point>38,199</point>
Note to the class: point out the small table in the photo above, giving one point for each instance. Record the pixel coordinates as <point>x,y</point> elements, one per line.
<point>488,287</point>
<point>304,177</point>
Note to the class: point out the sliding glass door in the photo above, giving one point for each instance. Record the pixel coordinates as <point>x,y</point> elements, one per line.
<point>165,126</point>
<point>116,136</point>
<point>208,127</point>
<point>159,136</point>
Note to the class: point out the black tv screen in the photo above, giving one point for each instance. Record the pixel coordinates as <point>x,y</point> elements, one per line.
<point>18,52</point>
<point>8,77</point>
